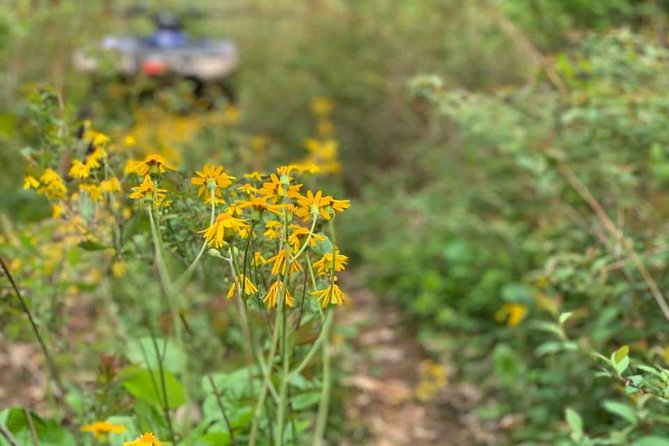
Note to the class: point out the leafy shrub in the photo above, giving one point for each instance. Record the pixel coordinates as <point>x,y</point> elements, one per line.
<point>517,218</point>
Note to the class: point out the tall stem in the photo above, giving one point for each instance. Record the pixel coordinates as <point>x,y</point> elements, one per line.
<point>24,307</point>
<point>324,404</point>
<point>181,281</point>
<point>170,294</point>
<point>265,385</point>
<point>219,401</point>
<point>283,391</point>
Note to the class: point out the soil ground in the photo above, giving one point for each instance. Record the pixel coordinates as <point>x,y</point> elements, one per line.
<point>379,365</point>
<point>382,379</point>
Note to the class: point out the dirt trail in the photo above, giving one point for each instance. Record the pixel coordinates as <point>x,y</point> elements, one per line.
<point>383,377</point>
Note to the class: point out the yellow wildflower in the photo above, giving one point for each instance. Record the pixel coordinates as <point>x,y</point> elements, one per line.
<point>432,378</point>
<point>110,185</point>
<point>272,296</point>
<point>93,159</point>
<point>325,127</point>
<point>79,170</point>
<point>248,189</point>
<point>330,295</point>
<point>513,314</point>
<point>259,204</point>
<point>58,210</point>
<point>272,229</point>
<point>308,167</point>
<point>231,115</point>
<point>279,187</point>
<point>100,429</point>
<point>321,106</point>
<point>297,231</point>
<point>259,143</point>
<point>148,190</point>
<point>286,170</point>
<point>148,439</point>
<point>52,184</point>
<point>153,163</point>
<point>93,190</point>
<point>215,234</point>
<point>324,265</point>
<point>211,177</point>
<point>247,286</point>
<point>255,175</point>
<point>280,263</point>
<point>337,205</point>
<point>312,205</point>
<point>258,259</point>
<point>131,166</point>
<point>99,139</point>
<point>50,176</point>
<point>30,182</point>
<point>129,141</point>
<point>118,269</point>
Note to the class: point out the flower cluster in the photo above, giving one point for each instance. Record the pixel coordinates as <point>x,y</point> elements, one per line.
<point>273,215</point>
<point>275,236</point>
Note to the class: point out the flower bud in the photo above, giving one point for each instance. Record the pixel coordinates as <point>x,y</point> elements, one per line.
<point>214,253</point>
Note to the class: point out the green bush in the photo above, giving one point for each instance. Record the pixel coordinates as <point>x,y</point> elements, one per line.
<point>504,219</point>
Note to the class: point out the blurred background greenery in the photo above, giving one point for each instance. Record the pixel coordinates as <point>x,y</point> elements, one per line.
<point>495,151</point>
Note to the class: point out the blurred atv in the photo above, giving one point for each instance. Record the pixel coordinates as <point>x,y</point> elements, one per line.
<point>166,57</point>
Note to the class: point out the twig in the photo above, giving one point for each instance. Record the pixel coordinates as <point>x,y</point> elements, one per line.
<point>50,364</point>
<point>31,427</point>
<point>163,384</point>
<point>8,436</point>
<point>616,233</point>
<point>219,400</point>
<point>515,34</point>
<point>533,52</point>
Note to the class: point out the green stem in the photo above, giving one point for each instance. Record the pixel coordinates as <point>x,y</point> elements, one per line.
<point>324,405</point>
<point>31,427</point>
<point>24,306</point>
<point>219,401</point>
<point>315,346</point>
<point>181,281</point>
<point>246,254</point>
<point>241,307</point>
<point>8,436</point>
<point>170,294</point>
<point>263,389</point>
<point>285,356</point>
<point>283,391</point>
<point>163,385</point>
<point>306,242</point>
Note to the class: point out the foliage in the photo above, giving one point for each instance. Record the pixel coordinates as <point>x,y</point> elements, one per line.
<point>130,235</point>
<point>518,218</point>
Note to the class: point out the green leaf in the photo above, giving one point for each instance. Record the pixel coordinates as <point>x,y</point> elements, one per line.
<point>508,366</point>
<point>305,400</point>
<point>564,317</point>
<point>146,385</point>
<point>143,352</point>
<point>622,410</point>
<point>620,354</point>
<point>90,245</point>
<point>650,370</point>
<point>547,327</point>
<point>552,347</point>
<point>622,365</point>
<point>48,432</point>
<point>652,440</point>
<point>217,438</point>
<point>575,423</point>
